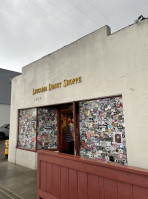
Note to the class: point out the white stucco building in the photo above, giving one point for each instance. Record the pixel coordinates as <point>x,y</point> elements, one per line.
<point>99,65</point>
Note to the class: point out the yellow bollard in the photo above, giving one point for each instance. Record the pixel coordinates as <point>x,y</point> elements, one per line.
<point>6,147</point>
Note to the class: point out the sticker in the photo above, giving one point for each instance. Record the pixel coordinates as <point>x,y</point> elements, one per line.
<point>88,135</point>
<point>117,138</point>
<point>102,128</point>
<point>84,145</point>
<point>27,129</point>
<point>47,128</point>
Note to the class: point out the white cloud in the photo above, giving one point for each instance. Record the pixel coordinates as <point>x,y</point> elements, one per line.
<point>31,29</point>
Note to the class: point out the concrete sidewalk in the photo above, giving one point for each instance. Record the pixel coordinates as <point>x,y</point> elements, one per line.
<point>17,182</point>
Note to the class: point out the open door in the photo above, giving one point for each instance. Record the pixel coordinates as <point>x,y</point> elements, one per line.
<point>67,132</point>
<point>69,129</point>
<point>76,128</point>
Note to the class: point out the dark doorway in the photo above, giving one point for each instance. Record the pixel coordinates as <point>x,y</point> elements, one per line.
<point>66,131</point>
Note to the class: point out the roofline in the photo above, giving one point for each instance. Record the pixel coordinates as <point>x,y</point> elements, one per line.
<point>9,70</point>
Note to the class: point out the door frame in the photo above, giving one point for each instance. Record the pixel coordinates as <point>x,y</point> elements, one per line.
<point>60,129</point>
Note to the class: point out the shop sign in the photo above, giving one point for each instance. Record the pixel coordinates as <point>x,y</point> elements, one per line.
<point>65,83</point>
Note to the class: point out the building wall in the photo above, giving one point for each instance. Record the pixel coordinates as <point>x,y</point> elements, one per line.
<point>5,94</point>
<point>109,64</point>
<point>5,85</point>
<point>4,114</point>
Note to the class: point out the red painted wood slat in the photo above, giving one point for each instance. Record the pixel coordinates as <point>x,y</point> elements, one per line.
<point>82,186</point>
<point>74,126</point>
<point>64,183</point>
<point>73,184</point>
<point>140,193</point>
<point>101,186</point>
<point>43,176</point>
<point>38,176</point>
<point>49,177</point>
<point>110,187</point>
<point>45,195</point>
<point>93,187</point>
<point>124,191</point>
<point>56,180</point>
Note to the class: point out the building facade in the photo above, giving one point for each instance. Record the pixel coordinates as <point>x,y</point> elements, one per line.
<point>100,84</point>
<point>5,94</point>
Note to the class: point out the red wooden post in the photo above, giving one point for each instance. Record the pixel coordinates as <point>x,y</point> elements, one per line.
<point>74,126</point>
<point>36,127</point>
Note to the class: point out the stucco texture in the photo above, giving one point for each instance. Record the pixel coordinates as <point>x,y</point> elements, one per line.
<point>110,65</point>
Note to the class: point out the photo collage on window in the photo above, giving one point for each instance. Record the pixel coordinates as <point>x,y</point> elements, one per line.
<point>102,132</point>
<point>47,128</point>
<point>27,129</point>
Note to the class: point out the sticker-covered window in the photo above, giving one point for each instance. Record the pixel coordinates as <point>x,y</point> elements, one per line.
<point>102,132</point>
<point>27,129</point>
<point>47,128</point>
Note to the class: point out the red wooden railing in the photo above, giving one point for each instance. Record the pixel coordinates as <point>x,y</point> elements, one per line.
<point>62,176</point>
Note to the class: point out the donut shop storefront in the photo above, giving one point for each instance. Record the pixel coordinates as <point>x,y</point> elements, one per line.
<point>74,120</point>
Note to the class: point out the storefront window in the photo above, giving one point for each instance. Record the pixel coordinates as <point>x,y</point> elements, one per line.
<point>47,128</point>
<point>27,129</point>
<point>102,133</point>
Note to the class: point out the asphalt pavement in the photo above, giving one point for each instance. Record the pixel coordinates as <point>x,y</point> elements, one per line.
<point>16,182</point>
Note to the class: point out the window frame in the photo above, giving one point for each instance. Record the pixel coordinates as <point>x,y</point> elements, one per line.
<point>32,150</point>
<point>76,117</point>
<point>57,128</point>
<point>22,148</point>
